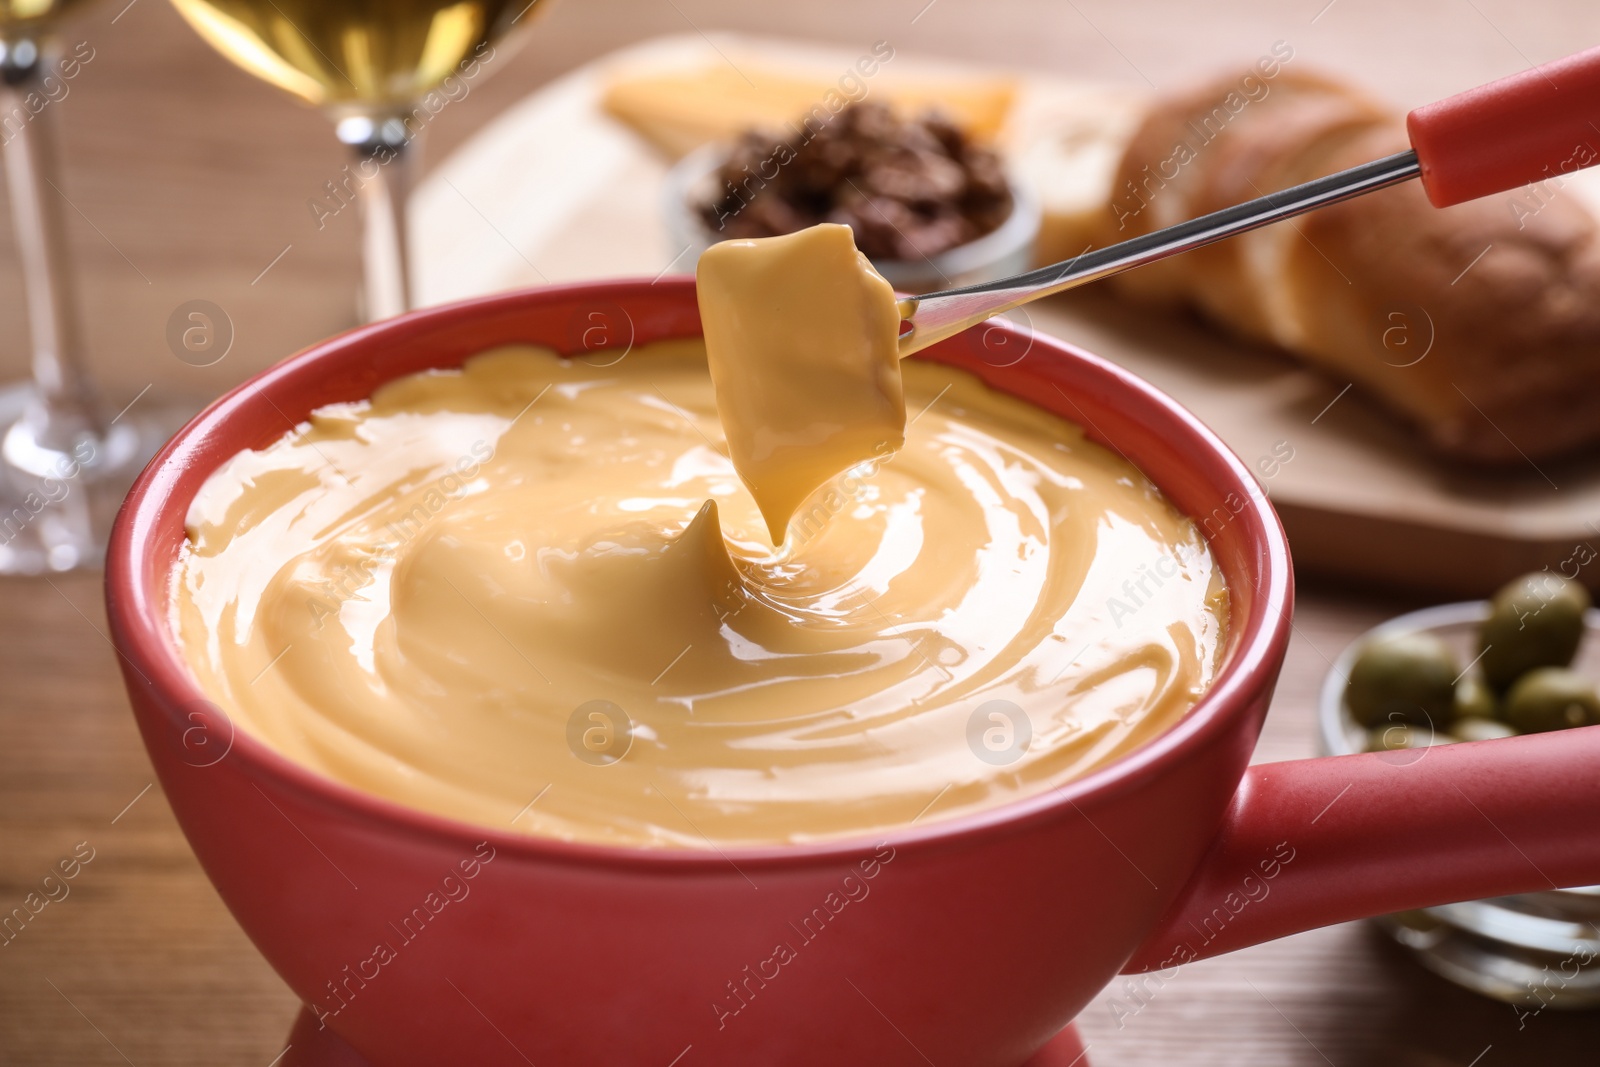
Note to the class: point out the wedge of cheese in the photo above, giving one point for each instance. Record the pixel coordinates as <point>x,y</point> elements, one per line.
<point>680,109</point>
<point>1065,142</point>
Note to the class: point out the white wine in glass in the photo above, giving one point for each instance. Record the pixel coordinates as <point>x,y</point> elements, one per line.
<point>18,14</point>
<point>368,64</point>
<point>64,466</point>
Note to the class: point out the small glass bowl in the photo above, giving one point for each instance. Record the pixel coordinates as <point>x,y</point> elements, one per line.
<point>1000,253</point>
<point>1538,949</point>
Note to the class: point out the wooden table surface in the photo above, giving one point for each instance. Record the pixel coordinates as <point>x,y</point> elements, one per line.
<point>188,178</point>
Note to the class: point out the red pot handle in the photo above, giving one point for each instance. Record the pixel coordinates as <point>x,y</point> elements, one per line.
<point>1310,843</point>
<point>1530,127</point>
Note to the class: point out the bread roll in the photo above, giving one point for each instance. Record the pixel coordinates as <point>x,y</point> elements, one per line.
<point>1479,323</point>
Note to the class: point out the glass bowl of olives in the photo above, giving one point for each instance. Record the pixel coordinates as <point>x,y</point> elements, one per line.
<point>1524,661</point>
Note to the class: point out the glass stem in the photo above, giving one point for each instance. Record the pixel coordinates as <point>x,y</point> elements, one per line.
<point>385,168</point>
<point>65,406</point>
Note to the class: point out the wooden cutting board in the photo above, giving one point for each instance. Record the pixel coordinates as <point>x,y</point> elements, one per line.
<point>556,190</point>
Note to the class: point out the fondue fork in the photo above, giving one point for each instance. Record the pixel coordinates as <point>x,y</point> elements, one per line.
<point>1528,127</point>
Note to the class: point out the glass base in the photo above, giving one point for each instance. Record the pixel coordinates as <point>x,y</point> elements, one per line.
<point>1538,950</point>
<point>57,503</point>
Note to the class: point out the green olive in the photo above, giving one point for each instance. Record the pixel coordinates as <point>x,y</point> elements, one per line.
<point>1535,621</point>
<point>1474,699</point>
<point>1551,698</point>
<point>1475,728</point>
<point>1405,678</point>
<point>1395,738</point>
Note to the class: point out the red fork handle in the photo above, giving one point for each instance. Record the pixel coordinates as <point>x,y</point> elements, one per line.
<point>1310,843</point>
<point>1533,126</point>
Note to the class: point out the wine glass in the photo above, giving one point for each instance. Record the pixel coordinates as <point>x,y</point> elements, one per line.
<point>64,466</point>
<point>381,69</point>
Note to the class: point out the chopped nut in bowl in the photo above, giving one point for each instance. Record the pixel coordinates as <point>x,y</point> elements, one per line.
<point>929,206</point>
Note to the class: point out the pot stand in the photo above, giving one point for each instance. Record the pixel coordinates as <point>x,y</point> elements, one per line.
<point>311,1047</point>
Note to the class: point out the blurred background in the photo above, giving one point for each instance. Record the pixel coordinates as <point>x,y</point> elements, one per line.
<point>189,178</point>
<point>188,181</point>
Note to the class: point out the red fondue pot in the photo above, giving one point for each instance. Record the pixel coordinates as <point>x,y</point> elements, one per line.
<point>967,941</point>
